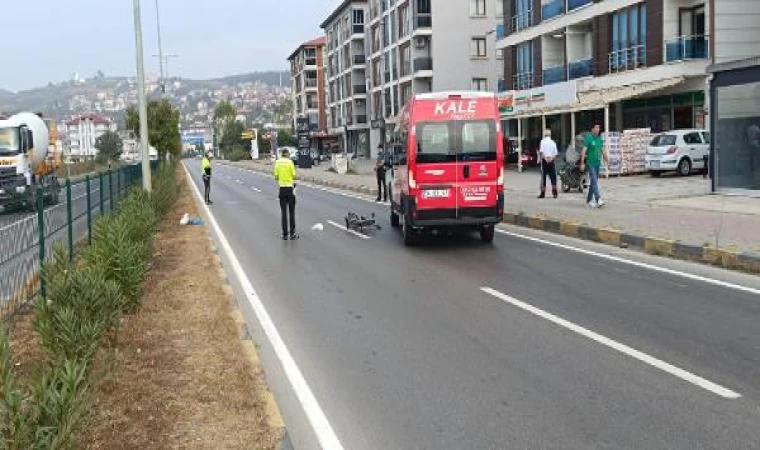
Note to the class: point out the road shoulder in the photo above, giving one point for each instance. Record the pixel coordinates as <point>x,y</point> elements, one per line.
<point>187,377</point>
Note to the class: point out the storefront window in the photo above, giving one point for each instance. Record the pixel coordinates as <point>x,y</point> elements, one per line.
<point>737,137</point>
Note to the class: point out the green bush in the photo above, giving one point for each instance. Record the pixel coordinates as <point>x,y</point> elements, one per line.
<point>141,219</point>
<point>80,307</point>
<point>49,413</point>
<point>121,259</point>
<point>237,154</point>
<point>165,188</point>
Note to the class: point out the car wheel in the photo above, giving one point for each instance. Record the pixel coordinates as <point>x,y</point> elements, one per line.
<point>487,233</point>
<point>684,167</point>
<point>655,173</point>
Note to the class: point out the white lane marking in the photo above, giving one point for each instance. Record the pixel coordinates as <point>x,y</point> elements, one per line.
<point>677,273</point>
<point>255,189</point>
<point>355,233</point>
<point>622,348</point>
<point>328,440</point>
<point>239,181</point>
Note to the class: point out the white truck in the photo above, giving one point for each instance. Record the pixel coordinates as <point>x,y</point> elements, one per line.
<point>25,163</point>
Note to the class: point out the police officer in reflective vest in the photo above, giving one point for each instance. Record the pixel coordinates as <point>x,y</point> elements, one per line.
<point>285,175</point>
<point>206,169</point>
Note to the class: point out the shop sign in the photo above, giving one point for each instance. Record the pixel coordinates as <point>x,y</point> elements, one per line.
<point>521,102</point>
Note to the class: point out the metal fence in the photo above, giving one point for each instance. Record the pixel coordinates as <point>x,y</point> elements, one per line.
<point>28,239</point>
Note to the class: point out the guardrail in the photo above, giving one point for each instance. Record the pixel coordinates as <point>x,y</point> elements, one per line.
<point>66,219</point>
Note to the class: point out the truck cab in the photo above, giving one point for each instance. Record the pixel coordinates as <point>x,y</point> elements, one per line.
<point>448,164</point>
<point>23,162</point>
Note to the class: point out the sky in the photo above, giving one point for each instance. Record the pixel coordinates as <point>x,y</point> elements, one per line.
<point>213,38</point>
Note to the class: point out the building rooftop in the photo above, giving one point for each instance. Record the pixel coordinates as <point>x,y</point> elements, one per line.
<point>317,42</point>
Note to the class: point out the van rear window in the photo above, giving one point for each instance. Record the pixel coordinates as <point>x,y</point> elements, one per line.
<point>439,142</point>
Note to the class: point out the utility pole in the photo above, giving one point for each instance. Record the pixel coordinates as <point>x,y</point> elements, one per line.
<point>160,51</point>
<point>142,100</point>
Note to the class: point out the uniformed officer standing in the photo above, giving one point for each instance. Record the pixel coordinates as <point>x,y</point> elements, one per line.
<point>285,175</point>
<point>206,169</point>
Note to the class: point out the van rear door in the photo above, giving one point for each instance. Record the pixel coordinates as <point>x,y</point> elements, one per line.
<point>436,167</point>
<point>477,168</point>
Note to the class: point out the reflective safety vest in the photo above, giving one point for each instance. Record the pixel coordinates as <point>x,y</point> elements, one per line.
<point>206,168</point>
<point>285,172</point>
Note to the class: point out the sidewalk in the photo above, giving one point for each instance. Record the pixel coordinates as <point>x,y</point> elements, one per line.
<point>674,216</point>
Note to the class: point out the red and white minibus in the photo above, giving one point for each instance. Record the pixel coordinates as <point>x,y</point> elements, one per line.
<point>448,164</point>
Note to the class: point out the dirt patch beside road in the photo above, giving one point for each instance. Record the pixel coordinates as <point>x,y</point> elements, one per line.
<point>184,378</point>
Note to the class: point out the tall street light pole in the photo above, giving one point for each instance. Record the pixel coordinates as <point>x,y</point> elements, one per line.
<point>160,51</point>
<point>142,100</point>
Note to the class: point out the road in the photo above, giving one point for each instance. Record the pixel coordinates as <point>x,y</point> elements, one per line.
<point>533,342</point>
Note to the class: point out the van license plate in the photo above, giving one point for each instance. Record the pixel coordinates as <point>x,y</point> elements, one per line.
<point>435,193</point>
<point>655,163</point>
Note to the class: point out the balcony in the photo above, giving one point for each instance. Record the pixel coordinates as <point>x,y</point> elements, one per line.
<point>358,28</point>
<point>687,48</point>
<point>387,77</point>
<point>554,75</point>
<point>361,119</point>
<point>360,89</point>
<point>499,32</point>
<point>522,21</point>
<point>360,60</point>
<point>552,9</point>
<point>423,21</point>
<point>581,68</point>
<point>310,83</point>
<point>423,64</point>
<point>628,59</point>
<point>523,80</point>
<point>575,4</point>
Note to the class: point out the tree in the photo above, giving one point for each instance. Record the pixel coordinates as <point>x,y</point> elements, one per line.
<point>286,139</point>
<point>224,114</point>
<point>109,146</point>
<point>232,135</point>
<point>163,127</point>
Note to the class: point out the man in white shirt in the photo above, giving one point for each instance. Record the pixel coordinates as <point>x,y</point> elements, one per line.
<point>548,153</point>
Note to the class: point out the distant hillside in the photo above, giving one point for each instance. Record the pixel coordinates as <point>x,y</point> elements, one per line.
<point>54,98</point>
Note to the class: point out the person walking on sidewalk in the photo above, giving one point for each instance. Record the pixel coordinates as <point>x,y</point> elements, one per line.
<point>206,171</point>
<point>548,153</point>
<point>591,156</point>
<point>285,175</point>
<point>380,169</point>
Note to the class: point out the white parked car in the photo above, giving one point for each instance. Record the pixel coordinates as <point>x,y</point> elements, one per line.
<point>678,151</point>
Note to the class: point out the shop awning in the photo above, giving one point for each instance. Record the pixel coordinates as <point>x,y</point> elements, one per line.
<point>597,99</point>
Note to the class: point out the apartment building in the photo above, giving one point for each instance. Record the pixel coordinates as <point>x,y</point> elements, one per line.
<point>308,84</point>
<point>624,63</point>
<point>346,63</point>
<point>82,132</point>
<point>419,46</point>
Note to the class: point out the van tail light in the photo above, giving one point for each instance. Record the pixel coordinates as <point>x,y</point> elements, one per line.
<point>500,180</point>
<point>672,150</point>
<point>412,181</point>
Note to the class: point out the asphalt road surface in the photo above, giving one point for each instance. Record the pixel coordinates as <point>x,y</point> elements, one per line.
<point>534,342</point>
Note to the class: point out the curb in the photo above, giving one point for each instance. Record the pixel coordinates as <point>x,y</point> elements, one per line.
<point>728,259</point>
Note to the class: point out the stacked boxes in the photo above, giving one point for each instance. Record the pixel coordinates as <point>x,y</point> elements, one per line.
<point>633,148</point>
